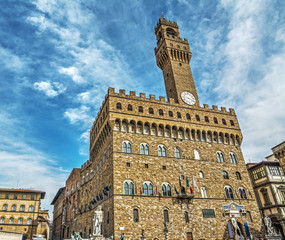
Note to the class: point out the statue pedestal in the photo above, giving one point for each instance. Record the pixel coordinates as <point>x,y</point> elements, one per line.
<point>97,237</point>
<point>239,238</point>
<point>273,237</point>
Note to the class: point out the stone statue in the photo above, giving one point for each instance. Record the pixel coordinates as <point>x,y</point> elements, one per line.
<point>122,236</point>
<point>269,228</point>
<point>238,234</point>
<point>98,219</point>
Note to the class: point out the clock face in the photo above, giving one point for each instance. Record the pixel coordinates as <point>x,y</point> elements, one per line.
<point>188,98</point>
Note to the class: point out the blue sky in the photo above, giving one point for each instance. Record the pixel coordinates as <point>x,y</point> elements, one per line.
<point>58,59</point>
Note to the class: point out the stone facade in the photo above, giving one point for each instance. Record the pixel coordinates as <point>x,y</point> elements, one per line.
<point>57,203</point>
<point>279,153</point>
<point>20,212</point>
<point>157,163</point>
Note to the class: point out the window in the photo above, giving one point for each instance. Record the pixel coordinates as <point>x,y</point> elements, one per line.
<point>31,208</point>
<point>29,222</point>
<point>197,118</point>
<point>233,158</point>
<point>275,171</point>
<point>141,109</point>
<point>22,208</point>
<point>150,110</point>
<point>7,196</point>
<point>127,147</point>
<point>33,197</point>
<point>225,175</point>
<point>201,174</point>
<point>5,207</point>
<point>166,189</point>
<point>188,116</point>
<point>129,188</point>
<point>2,220</point>
<point>72,185</point>
<point>130,107</point>
<point>136,215</point>
<point>146,165</point>
<point>165,215</point>
<point>229,192</point>
<point>224,122</point>
<point>119,106</point>
<point>177,152</point>
<point>77,185</point>
<point>128,164</point>
<point>147,189</point>
<point>144,149</point>
<point>161,151</point>
<point>13,208</point>
<point>178,114</point>
<point>215,120</point>
<point>197,154</point>
<point>238,176</point>
<point>24,196</point>
<point>258,173</point>
<point>67,189</point>
<point>11,220</point>
<point>186,215</point>
<point>160,111</point>
<point>15,196</point>
<point>163,167</point>
<point>232,123</point>
<point>206,119</point>
<point>20,221</point>
<point>242,193</point>
<point>204,192</point>
<point>170,114</point>
<point>220,156</point>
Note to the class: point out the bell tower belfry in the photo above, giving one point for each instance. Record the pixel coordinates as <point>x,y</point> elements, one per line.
<point>173,56</point>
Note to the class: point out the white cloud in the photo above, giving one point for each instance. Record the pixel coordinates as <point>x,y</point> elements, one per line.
<point>79,115</point>
<point>50,89</point>
<point>73,73</point>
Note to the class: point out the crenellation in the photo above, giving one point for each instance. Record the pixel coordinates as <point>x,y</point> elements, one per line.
<point>223,109</point>
<point>215,108</point>
<point>162,99</point>
<point>143,95</point>
<point>122,92</point>
<point>232,111</point>
<point>152,97</point>
<point>171,101</point>
<point>133,93</point>
<point>111,91</point>
<point>206,106</point>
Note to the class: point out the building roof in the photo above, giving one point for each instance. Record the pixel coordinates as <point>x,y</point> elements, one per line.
<point>253,165</point>
<point>278,147</point>
<point>57,195</point>
<point>22,190</point>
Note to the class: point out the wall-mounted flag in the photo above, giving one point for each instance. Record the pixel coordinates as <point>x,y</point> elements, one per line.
<point>195,184</point>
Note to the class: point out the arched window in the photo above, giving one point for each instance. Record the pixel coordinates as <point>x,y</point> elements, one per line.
<point>127,147</point>
<point>165,215</point>
<point>233,158</point>
<point>229,192</point>
<point>83,180</point>
<point>132,127</point>
<point>170,32</point>
<point>197,154</point>
<point>117,125</point>
<point>22,208</point>
<point>30,221</point>
<point>206,119</point>
<point>232,123</point>
<point>204,192</point>
<point>129,188</point>
<point>160,111</point>
<point>147,189</point>
<point>186,215</point>
<point>224,122</point>
<point>166,189</point>
<point>238,176</point>
<point>170,114</point>
<point>141,109</point>
<point>139,128</point>
<point>144,149</point>
<point>177,152</point>
<point>146,129</point>
<point>161,151</point>
<point>2,220</point>
<point>160,131</point>
<point>178,114</point>
<point>5,207</point>
<point>201,174</point>
<point>203,136</point>
<point>11,220</point>
<point>130,107</point>
<point>124,126</point>
<point>31,208</point>
<point>188,116</point>
<point>136,215</point>
<point>13,208</point>
<point>220,156</point>
<point>225,175</point>
<point>119,106</point>
<point>215,120</point>
<point>20,221</point>
<point>167,131</point>
<point>197,118</point>
<point>242,193</point>
<point>221,139</point>
<point>150,110</point>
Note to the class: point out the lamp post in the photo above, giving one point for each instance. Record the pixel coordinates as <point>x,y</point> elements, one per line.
<point>165,231</point>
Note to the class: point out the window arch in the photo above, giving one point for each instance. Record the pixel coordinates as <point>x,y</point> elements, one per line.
<point>148,189</point>
<point>221,138</point>
<point>161,151</point>
<point>136,215</point>
<point>150,110</point>
<point>166,189</point>
<point>242,193</point>
<point>204,192</point>
<point>233,158</point>
<point>129,188</point>
<point>197,154</point>
<point>22,208</point>
<point>127,147</point>
<point>2,220</point>
<point>197,118</point>
<point>238,175</point>
<point>146,129</point>
<point>170,114</point>
<point>11,220</point>
<point>124,126</point>
<point>119,106</point>
<point>215,120</point>
<point>225,175</point>
<point>165,215</point>
<point>206,119</point>
<point>141,109</point>
<point>229,192</point>
<point>130,107</point>
<point>31,208</point>
<point>160,111</point>
<point>20,221</point>
<point>177,152</point>
<point>13,207</point>
<point>188,116</point>
<point>220,156</point>
<point>232,123</point>
<point>224,121</point>
<point>144,149</point>
<point>186,215</point>
<point>30,221</point>
<point>201,174</point>
<point>178,115</point>
<point>160,131</point>
<point>5,207</point>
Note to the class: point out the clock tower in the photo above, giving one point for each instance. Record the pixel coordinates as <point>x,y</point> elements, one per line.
<point>173,56</point>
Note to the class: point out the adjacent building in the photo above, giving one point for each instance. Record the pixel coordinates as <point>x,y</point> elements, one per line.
<point>57,203</point>
<point>20,212</point>
<point>279,153</point>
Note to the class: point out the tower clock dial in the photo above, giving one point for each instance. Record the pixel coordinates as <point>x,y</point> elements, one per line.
<point>188,98</point>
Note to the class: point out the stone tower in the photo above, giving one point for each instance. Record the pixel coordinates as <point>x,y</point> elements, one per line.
<point>173,56</point>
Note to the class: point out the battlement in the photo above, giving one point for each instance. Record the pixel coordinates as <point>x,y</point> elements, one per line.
<point>153,98</point>
<point>177,39</point>
<point>85,165</point>
<point>163,21</point>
